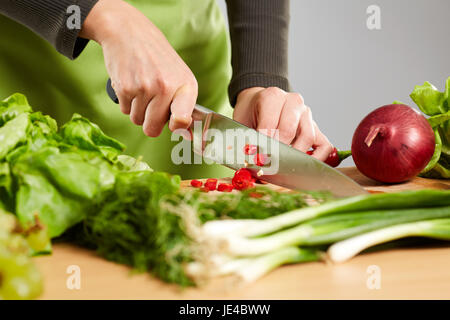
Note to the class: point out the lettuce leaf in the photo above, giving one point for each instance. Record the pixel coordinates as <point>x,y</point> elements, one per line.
<point>436,104</point>
<point>57,174</point>
<point>13,133</point>
<point>12,106</point>
<point>82,133</point>
<point>430,100</point>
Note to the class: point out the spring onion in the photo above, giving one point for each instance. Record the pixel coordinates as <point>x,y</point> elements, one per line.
<point>346,249</point>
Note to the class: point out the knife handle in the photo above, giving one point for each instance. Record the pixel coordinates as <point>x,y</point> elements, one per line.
<point>111,92</point>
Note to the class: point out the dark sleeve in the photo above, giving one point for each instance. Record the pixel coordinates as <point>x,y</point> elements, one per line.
<point>259,40</point>
<point>48,18</point>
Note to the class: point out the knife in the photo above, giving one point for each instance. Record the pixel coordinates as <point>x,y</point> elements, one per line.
<point>289,167</point>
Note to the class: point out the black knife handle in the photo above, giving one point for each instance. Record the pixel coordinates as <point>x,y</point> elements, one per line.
<point>111,92</point>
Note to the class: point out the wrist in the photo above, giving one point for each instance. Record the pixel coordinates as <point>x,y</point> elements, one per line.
<point>99,23</point>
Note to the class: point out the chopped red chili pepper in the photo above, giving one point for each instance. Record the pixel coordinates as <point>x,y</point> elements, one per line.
<point>250,149</point>
<point>244,173</point>
<point>260,159</point>
<point>333,159</point>
<point>211,184</point>
<point>241,184</point>
<point>196,183</point>
<point>255,195</point>
<point>242,179</point>
<point>204,189</point>
<point>225,187</point>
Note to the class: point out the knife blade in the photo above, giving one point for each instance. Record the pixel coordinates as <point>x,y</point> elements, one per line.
<point>220,139</point>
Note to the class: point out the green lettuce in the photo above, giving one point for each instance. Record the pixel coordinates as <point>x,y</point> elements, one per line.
<point>436,105</point>
<point>55,174</point>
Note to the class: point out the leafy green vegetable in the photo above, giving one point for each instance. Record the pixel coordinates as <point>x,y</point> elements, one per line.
<point>37,195</point>
<point>436,104</point>
<point>82,133</point>
<point>257,203</point>
<point>430,100</point>
<point>12,106</point>
<point>56,174</point>
<point>13,133</point>
<point>132,227</point>
<point>436,155</point>
<point>127,163</point>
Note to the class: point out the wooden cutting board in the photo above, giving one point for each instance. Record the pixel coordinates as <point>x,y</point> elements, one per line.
<point>407,273</point>
<point>372,185</point>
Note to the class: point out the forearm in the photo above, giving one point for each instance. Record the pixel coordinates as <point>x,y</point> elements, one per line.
<point>259,37</point>
<point>48,18</point>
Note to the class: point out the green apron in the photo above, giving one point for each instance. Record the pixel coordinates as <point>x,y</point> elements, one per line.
<point>59,87</point>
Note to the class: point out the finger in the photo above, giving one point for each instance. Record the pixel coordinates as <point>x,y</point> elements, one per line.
<point>269,105</point>
<point>289,119</point>
<point>156,116</point>
<point>323,147</point>
<point>125,96</point>
<point>305,133</point>
<point>138,106</point>
<point>181,108</point>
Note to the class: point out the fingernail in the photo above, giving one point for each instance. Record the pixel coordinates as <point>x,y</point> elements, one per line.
<point>183,120</point>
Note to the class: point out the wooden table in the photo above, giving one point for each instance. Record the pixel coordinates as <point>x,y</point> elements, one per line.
<point>407,273</point>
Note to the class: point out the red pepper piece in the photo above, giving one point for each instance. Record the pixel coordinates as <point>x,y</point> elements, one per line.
<point>242,184</point>
<point>260,159</point>
<point>196,183</point>
<point>211,184</point>
<point>225,187</point>
<point>242,179</point>
<point>244,173</point>
<point>204,189</point>
<point>255,195</point>
<point>250,149</point>
<point>333,159</point>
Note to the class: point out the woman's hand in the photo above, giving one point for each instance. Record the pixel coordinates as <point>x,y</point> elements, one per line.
<point>273,108</point>
<point>150,79</point>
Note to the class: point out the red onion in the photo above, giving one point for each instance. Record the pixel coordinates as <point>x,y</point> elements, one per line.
<point>393,143</point>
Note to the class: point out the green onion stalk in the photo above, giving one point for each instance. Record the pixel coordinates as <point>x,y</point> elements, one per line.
<point>402,200</point>
<point>327,230</point>
<point>347,249</point>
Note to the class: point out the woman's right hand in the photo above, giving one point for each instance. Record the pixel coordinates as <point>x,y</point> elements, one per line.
<point>148,76</point>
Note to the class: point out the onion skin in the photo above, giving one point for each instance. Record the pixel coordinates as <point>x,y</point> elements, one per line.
<point>393,143</point>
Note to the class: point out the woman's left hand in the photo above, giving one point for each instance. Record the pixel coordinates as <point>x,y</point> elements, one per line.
<point>273,108</point>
